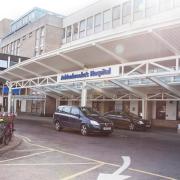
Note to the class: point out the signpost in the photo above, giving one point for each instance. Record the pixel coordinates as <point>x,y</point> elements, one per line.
<point>116,175</point>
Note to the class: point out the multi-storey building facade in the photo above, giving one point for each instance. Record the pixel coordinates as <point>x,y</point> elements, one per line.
<point>33,34</point>
<point>140,38</point>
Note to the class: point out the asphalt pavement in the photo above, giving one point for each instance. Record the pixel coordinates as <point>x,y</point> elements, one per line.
<point>48,154</point>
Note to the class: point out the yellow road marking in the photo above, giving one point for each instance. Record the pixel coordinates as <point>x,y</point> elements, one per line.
<point>100,162</point>
<point>83,172</point>
<point>48,164</point>
<point>152,174</point>
<point>21,157</point>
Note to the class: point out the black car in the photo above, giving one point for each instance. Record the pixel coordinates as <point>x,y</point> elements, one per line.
<point>128,121</point>
<point>81,118</point>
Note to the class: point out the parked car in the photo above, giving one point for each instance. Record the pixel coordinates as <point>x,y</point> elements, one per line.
<point>128,121</point>
<point>84,119</point>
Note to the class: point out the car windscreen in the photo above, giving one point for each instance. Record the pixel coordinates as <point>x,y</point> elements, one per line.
<point>89,111</point>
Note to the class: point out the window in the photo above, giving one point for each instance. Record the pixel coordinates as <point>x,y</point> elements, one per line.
<point>42,36</point>
<point>75,111</point>
<point>66,109</point>
<point>63,33</point>
<point>138,9</point>
<point>18,47</point>
<point>89,26</point>
<point>107,19</point>
<point>60,108</point>
<point>165,5</point>
<point>24,37</point>
<point>68,35</point>
<point>127,12</point>
<point>151,7</point>
<point>37,38</point>
<point>30,34</point>
<point>12,48</point>
<point>97,23</point>
<point>75,31</point>
<point>116,15</point>
<point>9,49</point>
<point>82,29</point>
<point>15,48</point>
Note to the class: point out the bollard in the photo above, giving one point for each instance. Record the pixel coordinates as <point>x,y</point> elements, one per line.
<point>178,129</point>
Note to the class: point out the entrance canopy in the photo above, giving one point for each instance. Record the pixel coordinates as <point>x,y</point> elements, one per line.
<point>141,59</point>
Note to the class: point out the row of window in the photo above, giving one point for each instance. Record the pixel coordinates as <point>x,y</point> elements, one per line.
<point>32,16</point>
<point>39,41</point>
<point>116,16</point>
<point>25,20</point>
<point>12,48</point>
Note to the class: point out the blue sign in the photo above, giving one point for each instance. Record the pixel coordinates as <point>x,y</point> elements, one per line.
<point>87,74</point>
<point>15,91</point>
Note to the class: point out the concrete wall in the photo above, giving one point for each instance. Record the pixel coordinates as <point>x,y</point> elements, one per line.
<point>53,32</point>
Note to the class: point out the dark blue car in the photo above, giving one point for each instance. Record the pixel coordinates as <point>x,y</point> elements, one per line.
<point>83,119</point>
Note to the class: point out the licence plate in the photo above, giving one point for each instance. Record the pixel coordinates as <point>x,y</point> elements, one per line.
<point>106,128</point>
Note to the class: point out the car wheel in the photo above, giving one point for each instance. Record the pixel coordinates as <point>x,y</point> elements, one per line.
<point>131,127</point>
<point>58,126</point>
<point>84,130</point>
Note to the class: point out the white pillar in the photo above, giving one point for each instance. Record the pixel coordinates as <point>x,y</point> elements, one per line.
<point>10,98</point>
<point>84,95</point>
<point>144,109</point>
<point>9,61</point>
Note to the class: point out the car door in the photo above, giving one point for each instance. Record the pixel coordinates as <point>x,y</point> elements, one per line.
<point>65,116</point>
<point>125,121</point>
<point>75,121</point>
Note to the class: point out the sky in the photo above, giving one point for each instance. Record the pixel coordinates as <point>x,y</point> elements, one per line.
<point>12,9</point>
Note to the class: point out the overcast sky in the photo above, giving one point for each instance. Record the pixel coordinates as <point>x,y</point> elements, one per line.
<point>12,9</point>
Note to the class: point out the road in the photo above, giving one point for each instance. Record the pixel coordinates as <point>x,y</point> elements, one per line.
<point>48,154</point>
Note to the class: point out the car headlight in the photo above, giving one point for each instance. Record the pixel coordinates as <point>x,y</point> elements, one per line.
<point>140,122</point>
<point>94,123</point>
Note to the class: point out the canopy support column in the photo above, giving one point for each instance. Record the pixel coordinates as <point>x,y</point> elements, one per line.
<point>10,97</point>
<point>84,95</point>
<point>144,109</point>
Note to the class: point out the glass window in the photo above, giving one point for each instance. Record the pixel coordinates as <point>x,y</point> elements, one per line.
<point>9,49</point>
<point>82,29</point>
<point>60,108</point>
<point>165,4</point>
<point>42,36</point>
<point>37,38</point>
<point>138,9</point>
<point>97,23</point>
<point>151,7</point>
<point>107,19</point>
<point>68,34</point>
<point>63,33</point>
<point>12,48</point>
<point>66,109</point>
<point>127,12</point>
<point>75,31</point>
<point>75,111</point>
<point>18,47</point>
<point>89,25</point>
<point>116,15</point>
